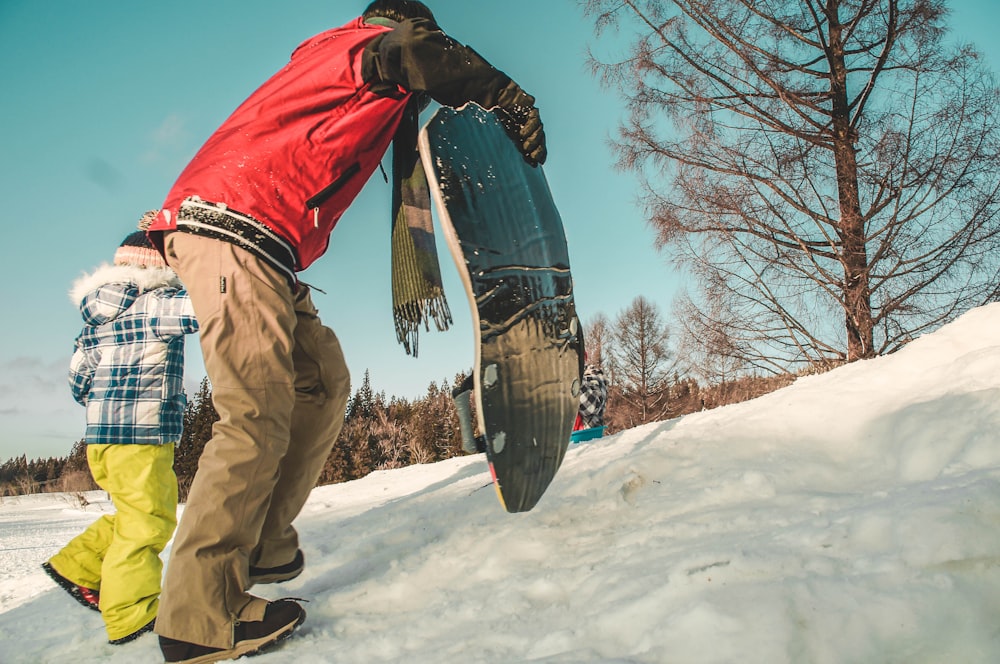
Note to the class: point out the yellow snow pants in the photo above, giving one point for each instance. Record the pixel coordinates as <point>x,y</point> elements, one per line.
<point>119,554</point>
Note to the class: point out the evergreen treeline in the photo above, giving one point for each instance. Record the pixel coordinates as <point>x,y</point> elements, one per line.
<point>19,476</point>
<point>378,434</point>
<point>381,433</point>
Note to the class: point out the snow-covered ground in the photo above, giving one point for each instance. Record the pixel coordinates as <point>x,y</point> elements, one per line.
<point>851,517</point>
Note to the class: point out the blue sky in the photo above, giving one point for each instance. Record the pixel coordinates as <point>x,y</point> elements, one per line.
<point>105,102</point>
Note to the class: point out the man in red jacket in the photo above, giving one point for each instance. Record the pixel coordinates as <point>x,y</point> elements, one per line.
<point>255,206</point>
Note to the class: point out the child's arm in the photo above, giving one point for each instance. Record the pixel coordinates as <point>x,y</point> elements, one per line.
<point>172,313</point>
<point>81,375</point>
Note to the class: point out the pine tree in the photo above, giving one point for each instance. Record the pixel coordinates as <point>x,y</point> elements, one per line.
<point>434,431</point>
<point>199,417</point>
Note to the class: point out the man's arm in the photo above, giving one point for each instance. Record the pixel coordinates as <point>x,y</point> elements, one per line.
<point>418,56</point>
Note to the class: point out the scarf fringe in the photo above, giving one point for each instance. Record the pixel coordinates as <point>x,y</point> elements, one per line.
<point>408,317</point>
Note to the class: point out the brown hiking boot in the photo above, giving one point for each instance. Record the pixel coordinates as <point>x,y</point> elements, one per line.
<point>278,574</point>
<point>281,617</point>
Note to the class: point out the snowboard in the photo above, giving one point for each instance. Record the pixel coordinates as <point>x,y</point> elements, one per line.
<point>507,240</point>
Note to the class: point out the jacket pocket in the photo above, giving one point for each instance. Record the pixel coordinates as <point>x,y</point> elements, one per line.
<point>329,190</point>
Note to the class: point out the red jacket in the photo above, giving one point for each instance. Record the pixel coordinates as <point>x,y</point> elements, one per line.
<point>296,153</point>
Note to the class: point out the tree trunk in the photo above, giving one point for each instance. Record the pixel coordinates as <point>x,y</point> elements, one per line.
<point>854,254</point>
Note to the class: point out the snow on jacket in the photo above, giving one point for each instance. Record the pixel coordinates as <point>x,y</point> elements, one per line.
<point>281,170</point>
<point>128,367</point>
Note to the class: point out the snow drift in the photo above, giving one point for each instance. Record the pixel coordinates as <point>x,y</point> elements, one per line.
<point>850,517</point>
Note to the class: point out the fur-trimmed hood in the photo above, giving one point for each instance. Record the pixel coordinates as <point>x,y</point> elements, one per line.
<point>145,279</point>
<point>111,289</point>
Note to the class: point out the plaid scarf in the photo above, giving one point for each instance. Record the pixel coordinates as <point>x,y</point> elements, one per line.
<point>417,291</point>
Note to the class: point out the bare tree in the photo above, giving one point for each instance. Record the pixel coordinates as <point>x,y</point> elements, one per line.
<point>598,339</point>
<point>826,169</point>
<point>643,361</point>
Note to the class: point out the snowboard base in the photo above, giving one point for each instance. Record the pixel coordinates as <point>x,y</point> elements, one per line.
<point>507,239</point>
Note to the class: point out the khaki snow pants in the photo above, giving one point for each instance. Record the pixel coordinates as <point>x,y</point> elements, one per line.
<point>119,554</point>
<point>280,386</point>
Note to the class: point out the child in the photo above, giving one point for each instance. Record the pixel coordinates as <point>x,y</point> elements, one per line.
<point>128,371</point>
<point>593,397</point>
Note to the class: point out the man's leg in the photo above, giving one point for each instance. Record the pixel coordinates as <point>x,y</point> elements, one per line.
<point>246,316</point>
<point>322,388</point>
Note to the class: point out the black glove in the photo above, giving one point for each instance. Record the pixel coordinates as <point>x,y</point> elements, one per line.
<point>519,117</point>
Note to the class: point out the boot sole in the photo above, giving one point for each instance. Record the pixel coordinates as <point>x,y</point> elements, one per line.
<point>128,638</point>
<point>278,574</point>
<point>69,587</point>
<point>250,647</point>
<point>274,578</point>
